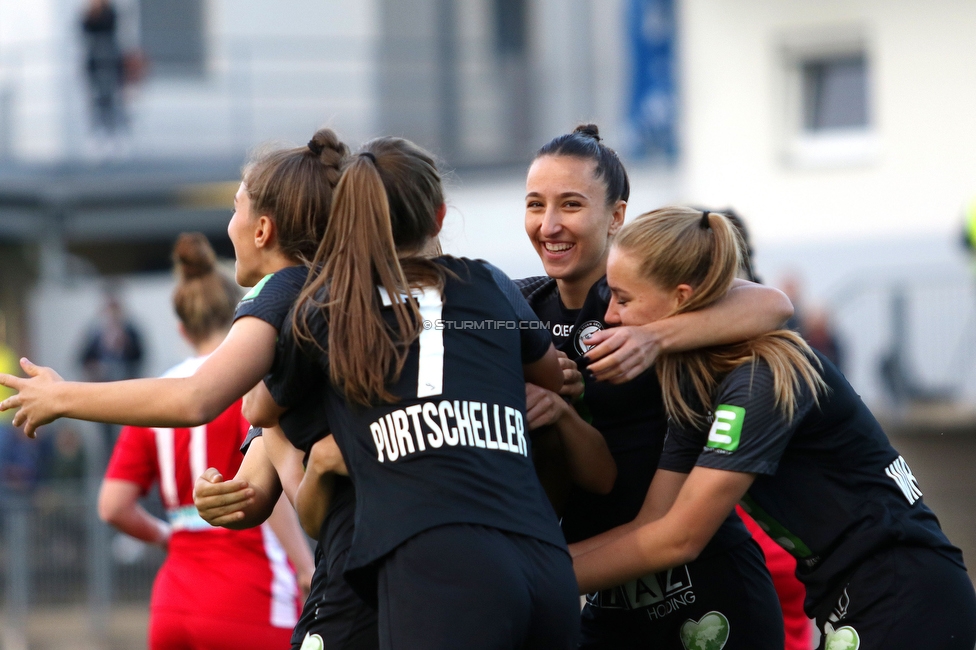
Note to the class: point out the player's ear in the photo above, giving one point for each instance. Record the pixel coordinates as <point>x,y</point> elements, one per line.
<point>264,232</point>
<point>439,217</point>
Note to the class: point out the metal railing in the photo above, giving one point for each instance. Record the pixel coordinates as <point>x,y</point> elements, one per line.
<point>909,337</point>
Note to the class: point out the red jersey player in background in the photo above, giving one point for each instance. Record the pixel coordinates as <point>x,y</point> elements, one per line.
<point>218,588</point>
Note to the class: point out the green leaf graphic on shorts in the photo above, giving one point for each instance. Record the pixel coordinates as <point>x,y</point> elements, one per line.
<point>843,638</point>
<point>726,428</point>
<point>313,642</point>
<point>711,632</point>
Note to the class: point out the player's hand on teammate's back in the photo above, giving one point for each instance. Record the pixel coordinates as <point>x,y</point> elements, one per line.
<point>221,502</point>
<point>542,407</point>
<point>572,377</point>
<point>325,457</point>
<point>33,398</point>
<point>620,354</point>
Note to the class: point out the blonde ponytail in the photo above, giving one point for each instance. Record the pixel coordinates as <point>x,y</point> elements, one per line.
<point>678,245</point>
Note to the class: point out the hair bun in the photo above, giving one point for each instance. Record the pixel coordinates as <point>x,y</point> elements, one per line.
<point>589,130</point>
<point>193,256</point>
<point>328,148</point>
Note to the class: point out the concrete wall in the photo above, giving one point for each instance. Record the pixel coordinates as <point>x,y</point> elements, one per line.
<point>737,132</point>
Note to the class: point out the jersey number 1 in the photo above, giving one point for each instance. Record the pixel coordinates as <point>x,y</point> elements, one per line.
<point>430,362</point>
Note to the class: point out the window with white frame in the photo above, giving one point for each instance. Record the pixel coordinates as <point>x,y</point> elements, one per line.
<point>835,94</point>
<point>829,121</point>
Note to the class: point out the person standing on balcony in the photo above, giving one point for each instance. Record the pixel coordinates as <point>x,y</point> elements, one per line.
<point>104,66</point>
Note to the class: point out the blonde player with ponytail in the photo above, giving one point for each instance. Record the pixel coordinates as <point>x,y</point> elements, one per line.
<point>773,423</point>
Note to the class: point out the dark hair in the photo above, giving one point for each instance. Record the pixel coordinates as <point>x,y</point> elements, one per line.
<point>585,142</point>
<point>383,214</point>
<point>294,188</point>
<point>204,298</point>
<point>747,251</point>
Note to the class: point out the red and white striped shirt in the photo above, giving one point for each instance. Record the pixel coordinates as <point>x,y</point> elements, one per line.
<point>211,572</point>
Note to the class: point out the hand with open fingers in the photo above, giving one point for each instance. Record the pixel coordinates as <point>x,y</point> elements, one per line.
<point>221,502</point>
<point>34,396</point>
<point>325,457</point>
<point>620,354</point>
<point>572,377</point>
<point>543,406</point>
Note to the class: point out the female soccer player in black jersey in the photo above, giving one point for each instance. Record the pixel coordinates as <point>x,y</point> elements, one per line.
<point>576,199</point>
<point>775,424</point>
<point>280,214</point>
<point>421,361</point>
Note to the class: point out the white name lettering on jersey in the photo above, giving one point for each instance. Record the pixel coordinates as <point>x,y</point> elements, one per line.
<point>901,474</point>
<point>432,425</point>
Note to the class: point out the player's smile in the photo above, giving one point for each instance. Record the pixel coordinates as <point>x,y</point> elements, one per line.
<point>567,219</point>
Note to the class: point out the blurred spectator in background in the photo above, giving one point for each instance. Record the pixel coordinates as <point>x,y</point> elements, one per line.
<point>19,456</point>
<point>64,454</point>
<point>819,333</point>
<point>812,323</point>
<point>104,65</point>
<point>112,351</point>
<point>113,346</point>
<point>969,227</point>
<point>791,285</point>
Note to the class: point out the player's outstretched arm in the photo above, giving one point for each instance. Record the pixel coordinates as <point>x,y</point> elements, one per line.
<point>705,500</point>
<point>118,506</point>
<point>315,492</point>
<point>588,459</point>
<point>749,310</point>
<point>239,363</point>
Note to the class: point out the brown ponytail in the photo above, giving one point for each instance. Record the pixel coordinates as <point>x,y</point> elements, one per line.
<point>677,245</point>
<point>383,214</point>
<point>294,188</point>
<point>204,298</point>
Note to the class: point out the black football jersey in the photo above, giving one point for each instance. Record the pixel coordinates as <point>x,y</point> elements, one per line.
<point>630,416</point>
<point>830,488</point>
<point>454,447</point>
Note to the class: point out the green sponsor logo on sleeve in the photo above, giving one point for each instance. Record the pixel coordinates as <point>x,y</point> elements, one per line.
<point>256,289</point>
<point>726,428</point>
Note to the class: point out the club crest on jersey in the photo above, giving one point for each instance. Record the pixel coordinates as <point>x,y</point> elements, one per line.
<point>583,331</point>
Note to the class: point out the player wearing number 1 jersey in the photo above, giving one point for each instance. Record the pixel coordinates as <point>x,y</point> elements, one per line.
<point>217,588</point>
<point>455,540</point>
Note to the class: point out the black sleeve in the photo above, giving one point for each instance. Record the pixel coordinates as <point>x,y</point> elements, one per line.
<point>535,336</point>
<point>252,433</point>
<point>682,447</point>
<point>306,423</point>
<point>273,296</point>
<point>295,372</point>
<point>749,433</point>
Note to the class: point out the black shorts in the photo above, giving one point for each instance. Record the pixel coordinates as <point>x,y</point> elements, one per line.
<point>904,598</point>
<point>473,587</point>
<point>725,600</point>
<point>333,612</point>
